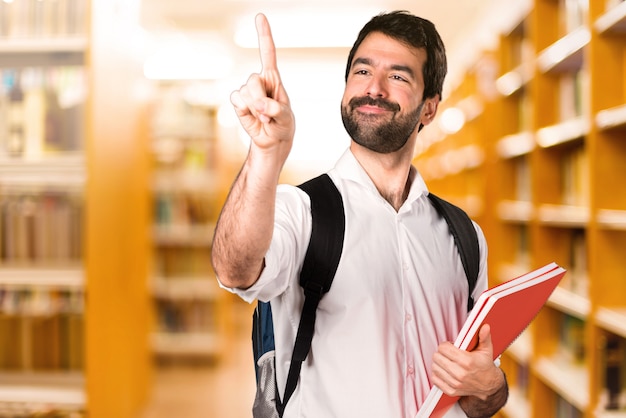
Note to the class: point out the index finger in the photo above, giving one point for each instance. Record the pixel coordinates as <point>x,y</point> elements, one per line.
<point>267,50</point>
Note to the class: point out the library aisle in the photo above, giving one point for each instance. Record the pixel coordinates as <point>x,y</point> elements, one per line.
<point>224,388</point>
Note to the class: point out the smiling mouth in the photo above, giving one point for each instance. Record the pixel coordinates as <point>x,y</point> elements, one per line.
<point>368,105</point>
<point>371,110</point>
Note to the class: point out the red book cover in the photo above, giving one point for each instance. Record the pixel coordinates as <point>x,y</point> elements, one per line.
<point>508,308</point>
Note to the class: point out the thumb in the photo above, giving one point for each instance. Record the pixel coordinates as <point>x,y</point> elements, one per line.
<point>484,340</point>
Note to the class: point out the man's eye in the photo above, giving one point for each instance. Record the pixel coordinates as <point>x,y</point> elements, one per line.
<point>399,78</point>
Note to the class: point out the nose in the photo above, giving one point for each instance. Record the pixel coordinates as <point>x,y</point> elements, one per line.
<point>377,86</point>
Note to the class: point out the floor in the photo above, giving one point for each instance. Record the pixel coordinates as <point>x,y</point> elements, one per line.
<point>223,388</point>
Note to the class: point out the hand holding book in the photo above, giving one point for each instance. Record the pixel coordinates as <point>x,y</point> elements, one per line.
<point>464,372</point>
<point>508,309</point>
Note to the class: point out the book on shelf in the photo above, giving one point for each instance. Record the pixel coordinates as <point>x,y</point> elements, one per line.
<point>524,111</point>
<point>573,14</point>
<point>508,309</point>
<point>36,18</point>
<point>565,409</point>
<point>41,329</point>
<point>577,280</point>
<point>575,187</point>
<point>522,254</point>
<point>614,354</point>
<point>572,339</point>
<point>522,378</point>
<point>573,94</point>
<point>186,316</point>
<point>41,110</point>
<point>523,184</point>
<point>40,227</point>
<point>613,3</point>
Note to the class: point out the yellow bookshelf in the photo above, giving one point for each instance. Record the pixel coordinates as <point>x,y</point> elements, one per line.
<point>74,308</point>
<point>190,310</point>
<point>454,168</point>
<point>553,189</point>
<point>608,129</point>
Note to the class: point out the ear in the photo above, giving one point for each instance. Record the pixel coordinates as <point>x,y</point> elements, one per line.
<point>429,111</point>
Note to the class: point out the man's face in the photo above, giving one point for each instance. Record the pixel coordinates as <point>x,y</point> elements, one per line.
<point>382,102</point>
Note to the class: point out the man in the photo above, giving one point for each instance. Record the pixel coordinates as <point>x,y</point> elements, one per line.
<point>399,296</point>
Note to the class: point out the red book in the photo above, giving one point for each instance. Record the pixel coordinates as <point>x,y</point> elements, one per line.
<point>508,308</point>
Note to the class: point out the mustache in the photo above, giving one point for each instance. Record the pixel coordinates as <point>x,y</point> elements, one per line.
<point>370,101</point>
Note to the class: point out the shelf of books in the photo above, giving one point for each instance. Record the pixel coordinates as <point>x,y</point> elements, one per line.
<point>608,125</point>
<point>452,161</point>
<point>53,313</point>
<point>553,187</point>
<point>189,305</point>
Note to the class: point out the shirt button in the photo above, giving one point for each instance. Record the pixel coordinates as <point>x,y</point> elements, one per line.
<point>410,370</point>
<point>408,317</point>
<point>405,266</point>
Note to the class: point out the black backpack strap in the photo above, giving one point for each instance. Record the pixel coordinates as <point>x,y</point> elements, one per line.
<point>320,264</point>
<point>465,238</point>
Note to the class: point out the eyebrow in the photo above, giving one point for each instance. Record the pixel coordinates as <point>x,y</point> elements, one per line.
<point>395,67</point>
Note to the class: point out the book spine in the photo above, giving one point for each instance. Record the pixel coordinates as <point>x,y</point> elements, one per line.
<point>614,368</point>
<point>37,19</point>
<point>572,339</point>
<point>41,329</point>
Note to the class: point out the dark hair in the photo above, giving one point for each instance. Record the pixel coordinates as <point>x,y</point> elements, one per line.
<point>414,32</point>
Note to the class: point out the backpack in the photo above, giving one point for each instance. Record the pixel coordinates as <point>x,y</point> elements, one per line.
<point>320,264</point>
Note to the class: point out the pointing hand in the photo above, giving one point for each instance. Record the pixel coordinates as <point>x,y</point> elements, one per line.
<point>262,104</point>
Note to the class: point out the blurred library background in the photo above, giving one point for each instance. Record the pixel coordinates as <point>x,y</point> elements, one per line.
<point>118,146</point>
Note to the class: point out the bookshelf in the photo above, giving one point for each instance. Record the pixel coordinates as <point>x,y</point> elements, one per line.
<point>190,309</point>
<point>552,189</point>
<point>74,308</point>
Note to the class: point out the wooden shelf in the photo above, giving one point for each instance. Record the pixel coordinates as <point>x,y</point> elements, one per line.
<point>516,145</point>
<point>553,140</point>
<point>198,181</point>
<point>613,21</point>
<point>20,52</point>
<point>182,288</point>
<point>462,159</point>
<point>516,211</point>
<point>471,204</point>
<point>513,81</point>
<point>611,219</point>
<point>612,319</point>
<point>54,171</point>
<point>184,235</point>
<point>40,278</point>
<point>614,117</point>
<point>36,392</point>
<point>569,380</point>
<point>109,172</point>
<point>186,344</point>
<point>563,215</point>
<point>610,414</point>
<point>566,54</point>
<point>570,303</point>
<point>563,132</point>
<point>56,45</point>
<point>181,244</point>
<point>116,364</point>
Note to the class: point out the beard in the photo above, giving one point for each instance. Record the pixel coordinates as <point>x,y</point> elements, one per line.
<point>382,136</point>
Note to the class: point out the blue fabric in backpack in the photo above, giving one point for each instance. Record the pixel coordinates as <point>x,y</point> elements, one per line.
<point>263,332</point>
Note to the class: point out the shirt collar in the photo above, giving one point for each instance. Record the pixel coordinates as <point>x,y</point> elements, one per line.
<point>348,167</point>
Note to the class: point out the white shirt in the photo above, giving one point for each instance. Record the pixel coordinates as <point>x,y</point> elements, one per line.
<point>400,290</point>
